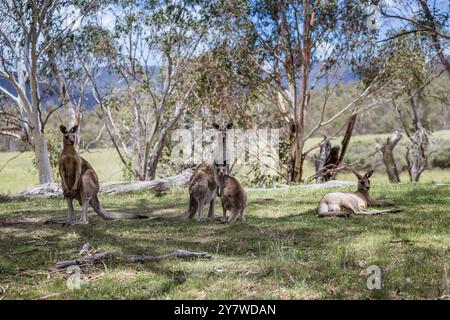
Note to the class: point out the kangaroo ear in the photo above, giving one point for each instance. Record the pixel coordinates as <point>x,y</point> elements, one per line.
<point>74,128</point>
<point>357,174</point>
<point>63,129</point>
<point>215,126</point>
<point>369,173</point>
<point>229,125</point>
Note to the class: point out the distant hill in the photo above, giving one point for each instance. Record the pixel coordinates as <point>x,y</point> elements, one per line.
<point>109,78</point>
<point>106,79</point>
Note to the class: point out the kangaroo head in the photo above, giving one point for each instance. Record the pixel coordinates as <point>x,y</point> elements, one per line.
<point>363,181</point>
<point>220,169</point>
<point>69,136</point>
<point>223,129</point>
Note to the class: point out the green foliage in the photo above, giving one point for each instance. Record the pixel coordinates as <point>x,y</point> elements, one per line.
<point>127,171</point>
<point>254,175</point>
<point>441,157</point>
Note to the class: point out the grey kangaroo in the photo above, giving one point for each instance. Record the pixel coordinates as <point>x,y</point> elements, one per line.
<point>202,191</point>
<point>79,181</point>
<point>232,194</point>
<point>343,204</point>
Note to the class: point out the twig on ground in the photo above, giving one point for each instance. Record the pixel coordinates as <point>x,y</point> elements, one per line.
<point>46,296</point>
<point>25,251</point>
<point>131,258</point>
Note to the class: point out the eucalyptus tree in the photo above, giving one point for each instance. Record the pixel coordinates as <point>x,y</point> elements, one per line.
<point>29,33</point>
<point>296,44</point>
<point>427,19</point>
<point>409,72</point>
<point>153,45</point>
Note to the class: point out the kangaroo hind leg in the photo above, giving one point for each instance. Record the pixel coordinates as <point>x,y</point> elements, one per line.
<point>211,216</point>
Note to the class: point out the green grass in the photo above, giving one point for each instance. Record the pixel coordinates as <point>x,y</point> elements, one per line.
<point>283,251</point>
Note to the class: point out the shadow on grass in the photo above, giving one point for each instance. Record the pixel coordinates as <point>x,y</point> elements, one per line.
<point>166,231</point>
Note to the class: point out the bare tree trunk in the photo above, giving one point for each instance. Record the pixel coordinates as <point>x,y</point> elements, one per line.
<point>161,143</point>
<point>298,162</point>
<point>295,168</point>
<point>386,151</point>
<point>331,157</point>
<point>42,157</point>
<point>346,140</point>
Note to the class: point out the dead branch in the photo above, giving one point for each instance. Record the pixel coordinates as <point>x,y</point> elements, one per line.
<point>95,140</point>
<point>183,254</point>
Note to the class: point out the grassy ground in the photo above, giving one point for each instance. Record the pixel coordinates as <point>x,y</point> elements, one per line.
<point>283,251</point>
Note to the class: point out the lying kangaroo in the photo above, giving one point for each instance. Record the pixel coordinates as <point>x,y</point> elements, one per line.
<point>232,195</point>
<point>202,190</point>
<point>79,181</point>
<point>342,204</point>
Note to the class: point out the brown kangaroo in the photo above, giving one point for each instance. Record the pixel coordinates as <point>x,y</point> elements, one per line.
<point>232,194</point>
<point>202,191</point>
<point>343,204</point>
<point>79,181</point>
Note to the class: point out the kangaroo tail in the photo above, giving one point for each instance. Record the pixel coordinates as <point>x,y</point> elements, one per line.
<point>374,212</point>
<point>193,207</point>
<point>95,204</point>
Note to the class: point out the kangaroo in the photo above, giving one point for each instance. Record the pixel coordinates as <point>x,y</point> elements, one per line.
<point>232,194</point>
<point>343,204</point>
<point>223,132</point>
<point>202,190</point>
<point>79,181</point>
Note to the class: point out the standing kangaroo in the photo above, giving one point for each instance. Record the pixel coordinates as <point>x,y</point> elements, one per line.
<point>223,132</point>
<point>79,181</point>
<point>202,190</point>
<point>232,194</point>
<point>343,204</point>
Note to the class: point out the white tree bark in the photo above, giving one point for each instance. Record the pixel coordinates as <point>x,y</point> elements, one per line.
<point>42,157</point>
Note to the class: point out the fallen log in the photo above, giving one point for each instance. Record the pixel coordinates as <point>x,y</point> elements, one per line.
<point>130,258</point>
<point>53,190</point>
